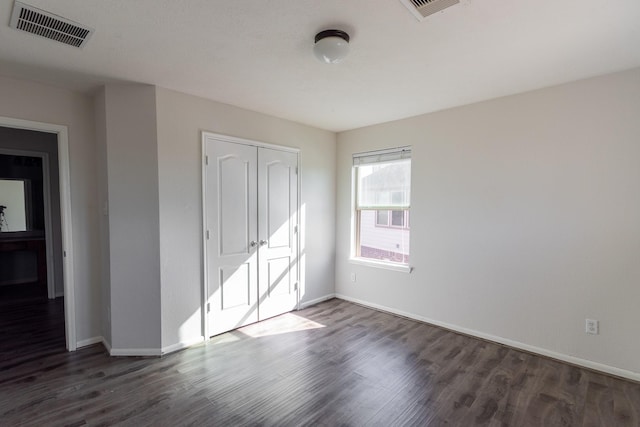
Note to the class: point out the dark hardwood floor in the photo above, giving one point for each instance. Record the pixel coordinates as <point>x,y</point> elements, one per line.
<point>333,364</point>
<point>31,326</point>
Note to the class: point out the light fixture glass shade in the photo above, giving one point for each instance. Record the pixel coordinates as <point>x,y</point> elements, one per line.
<point>332,48</point>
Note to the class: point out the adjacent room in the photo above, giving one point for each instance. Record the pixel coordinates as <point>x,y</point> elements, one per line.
<point>405,212</point>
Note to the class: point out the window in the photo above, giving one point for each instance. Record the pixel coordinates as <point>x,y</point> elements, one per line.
<point>382,218</point>
<point>385,218</point>
<point>397,218</point>
<point>382,201</point>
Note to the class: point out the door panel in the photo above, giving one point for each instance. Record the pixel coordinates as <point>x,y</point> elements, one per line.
<point>231,222</point>
<point>277,216</point>
<point>235,288</point>
<point>233,190</point>
<point>279,281</point>
<point>278,210</point>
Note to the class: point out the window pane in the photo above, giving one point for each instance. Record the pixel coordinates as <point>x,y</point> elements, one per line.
<point>382,218</point>
<point>382,243</point>
<point>397,198</point>
<point>397,218</point>
<point>384,185</point>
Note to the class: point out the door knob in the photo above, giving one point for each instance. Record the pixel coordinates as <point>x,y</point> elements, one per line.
<point>253,243</point>
<point>263,242</point>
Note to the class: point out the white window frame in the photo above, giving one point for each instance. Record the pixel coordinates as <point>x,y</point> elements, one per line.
<point>389,223</point>
<point>372,157</point>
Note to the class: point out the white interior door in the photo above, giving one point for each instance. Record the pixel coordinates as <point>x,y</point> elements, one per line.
<point>251,226</point>
<point>231,228</point>
<point>277,230</point>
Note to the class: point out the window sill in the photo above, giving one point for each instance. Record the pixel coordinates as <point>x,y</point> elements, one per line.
<point>380,264</point>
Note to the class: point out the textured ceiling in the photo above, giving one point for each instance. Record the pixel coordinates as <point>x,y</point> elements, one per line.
<point>258,54</point>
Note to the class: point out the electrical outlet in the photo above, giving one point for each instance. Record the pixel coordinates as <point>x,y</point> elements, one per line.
<point>591,326</point>
<point>353,277</point>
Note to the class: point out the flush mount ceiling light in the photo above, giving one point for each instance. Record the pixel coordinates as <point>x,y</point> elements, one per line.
<point>332,46</point>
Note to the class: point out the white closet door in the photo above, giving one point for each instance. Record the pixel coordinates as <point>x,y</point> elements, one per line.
<point>231,224</point>
<point>277,228</point>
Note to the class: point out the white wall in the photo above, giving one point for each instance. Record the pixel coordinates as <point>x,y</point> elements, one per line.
<point>132,187</point>
<point>41,103</point>
<point>103,215</point>
<point>524,221</point>
<point>181,120</point>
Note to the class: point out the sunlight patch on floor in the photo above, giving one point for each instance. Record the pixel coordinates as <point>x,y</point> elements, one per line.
<point>224,338</point>
<point>283,324</point>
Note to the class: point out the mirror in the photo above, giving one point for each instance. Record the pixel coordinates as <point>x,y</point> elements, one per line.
<point>21,196</point>
<point>14,203</point>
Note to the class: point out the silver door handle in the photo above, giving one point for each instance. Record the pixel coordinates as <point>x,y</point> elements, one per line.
<point>263,242</point>
<point>253,243</point>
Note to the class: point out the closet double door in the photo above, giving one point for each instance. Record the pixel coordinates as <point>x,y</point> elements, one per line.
<point>251,226</point>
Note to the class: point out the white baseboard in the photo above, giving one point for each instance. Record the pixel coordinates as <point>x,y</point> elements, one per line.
<point>89,341</point>
<point>135,352</point>
<point>316,301</point>
<point>183,344</point>
<point>92,341</point>
<point>106,345</point>
<point>138,351</point>
<point>612,370</point>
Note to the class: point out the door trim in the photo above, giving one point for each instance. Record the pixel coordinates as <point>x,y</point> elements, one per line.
<point>62,134</point>
<point>236,140</point>
<point>206,135</point>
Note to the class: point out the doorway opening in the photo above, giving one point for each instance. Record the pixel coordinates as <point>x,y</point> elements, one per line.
<point>36,280</point>
<point>30,240</point>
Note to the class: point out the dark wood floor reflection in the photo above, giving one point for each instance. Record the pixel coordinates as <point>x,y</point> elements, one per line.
<point>31,326</point>
<point>332,364</point>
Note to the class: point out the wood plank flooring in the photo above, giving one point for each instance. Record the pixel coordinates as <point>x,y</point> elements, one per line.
<point>31,327</point>
<point>333,364</point>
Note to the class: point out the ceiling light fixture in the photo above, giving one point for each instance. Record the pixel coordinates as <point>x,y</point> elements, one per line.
<point>332,46</point>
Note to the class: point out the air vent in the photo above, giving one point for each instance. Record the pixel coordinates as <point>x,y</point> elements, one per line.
<point>42,23</point>
<point>423,8</point>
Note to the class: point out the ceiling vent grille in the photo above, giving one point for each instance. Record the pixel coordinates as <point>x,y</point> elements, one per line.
<point>42,23</point>
<point>423,8</point>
